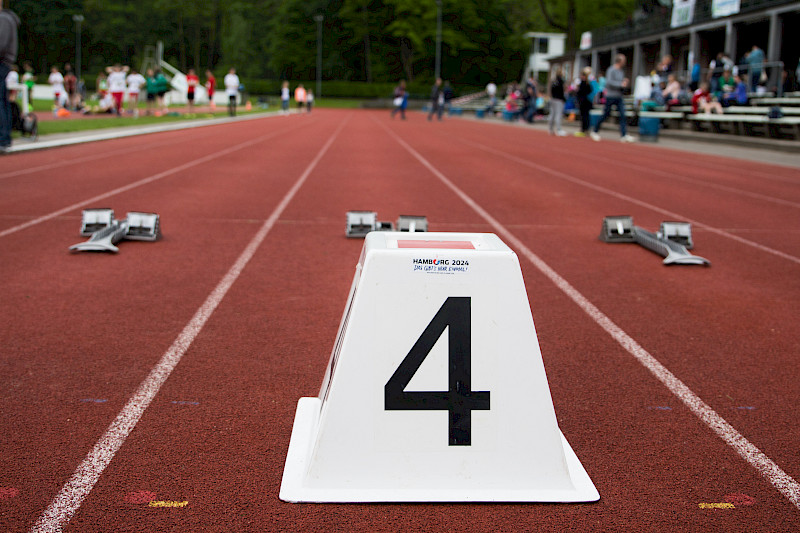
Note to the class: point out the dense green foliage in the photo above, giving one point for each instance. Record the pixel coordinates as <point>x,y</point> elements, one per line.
<point>362,40</point>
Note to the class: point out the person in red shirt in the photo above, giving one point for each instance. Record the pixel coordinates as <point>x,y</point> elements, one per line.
<point>211,85</point>
<point>704,101</point>
<point>192,81</point>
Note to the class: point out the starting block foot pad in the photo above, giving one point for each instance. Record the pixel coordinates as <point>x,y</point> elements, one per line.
<point>435,390</point>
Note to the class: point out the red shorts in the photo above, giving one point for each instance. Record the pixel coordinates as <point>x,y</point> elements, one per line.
<point>117,99</point>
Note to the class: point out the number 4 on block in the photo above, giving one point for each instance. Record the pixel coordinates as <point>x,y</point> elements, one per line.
<point>459,400</point>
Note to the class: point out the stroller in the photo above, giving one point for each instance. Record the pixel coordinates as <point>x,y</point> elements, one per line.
<point>28,125</point>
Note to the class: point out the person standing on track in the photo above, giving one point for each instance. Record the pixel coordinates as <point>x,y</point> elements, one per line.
<point>300,96</point>
<point>231,83</point>
<point>437,100</point>
<point>400,100</point>
<point>585,101</point>
<point>285,97</point>
<point>616,82</point>
<point>557,101</point>
<point>9,22</point>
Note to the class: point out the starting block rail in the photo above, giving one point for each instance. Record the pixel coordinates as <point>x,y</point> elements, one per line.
<point>105,232</point>
<point>671,242</point>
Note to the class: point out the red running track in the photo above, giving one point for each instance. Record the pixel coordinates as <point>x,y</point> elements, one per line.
<point>263,203</point>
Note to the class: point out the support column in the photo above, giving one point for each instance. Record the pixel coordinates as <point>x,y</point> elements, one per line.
<point>595,62</point>
<point>664,48</point>
<point>636,64</point>
<point>773,50</point>
<point>730,40</point>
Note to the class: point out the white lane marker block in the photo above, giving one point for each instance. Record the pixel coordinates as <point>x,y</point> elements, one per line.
<point>435,390</point>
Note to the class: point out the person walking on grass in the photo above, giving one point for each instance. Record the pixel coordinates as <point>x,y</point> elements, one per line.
<point>192,81</point>
<point>135,83</point>
<point>616,82</point>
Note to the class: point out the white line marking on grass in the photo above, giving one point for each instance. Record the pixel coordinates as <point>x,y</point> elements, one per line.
<point>610,192</point>
<point>145,181</point>
<point>747,450</point>
<point>72,494</point>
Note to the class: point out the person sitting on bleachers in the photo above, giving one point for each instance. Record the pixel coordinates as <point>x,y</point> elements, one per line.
<point>726,84</point>
<point>672,92</point>
<point>738,96</point>
<point>705,101</point>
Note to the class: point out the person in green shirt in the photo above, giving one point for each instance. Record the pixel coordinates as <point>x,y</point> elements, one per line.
<point>162,87</point>
<point>726,85</point>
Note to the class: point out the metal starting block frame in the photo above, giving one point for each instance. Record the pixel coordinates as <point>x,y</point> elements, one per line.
<point>671,242</point>
<point>96,219</point>
<point>359,223</point>
<point>136,226</point>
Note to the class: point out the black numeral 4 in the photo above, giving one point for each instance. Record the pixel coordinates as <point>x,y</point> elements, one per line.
<point>459,400</point>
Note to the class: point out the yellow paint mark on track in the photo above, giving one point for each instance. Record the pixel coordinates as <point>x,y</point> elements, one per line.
<point>725,505</point>
<point>159,503</point>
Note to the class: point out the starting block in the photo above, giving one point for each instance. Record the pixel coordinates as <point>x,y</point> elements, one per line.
<point>672,241</point>
<point>359,223</point>
<point>412,223</point>
<point>136,226</point>
<point>94,220</point>
<point>435,390</point>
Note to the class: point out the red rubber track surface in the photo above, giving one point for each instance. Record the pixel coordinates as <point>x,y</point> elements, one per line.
<point>79,333</point>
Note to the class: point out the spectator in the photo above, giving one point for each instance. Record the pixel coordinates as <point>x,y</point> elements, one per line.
<point>695,78</point>
<point>300,96</point>
<point>705,101</point>
<point>285,96</point>
<point>9,22</point>
<point>726,84</point>
<point>529,96</point>
<point>231,82</point>
<point>71,87</point>
<point>400,100</point>
<point>739,94</point>
<point>211,86</point>
<point>557,101</point>
<point>56,80</point>
<point>584,94</point>
<point>491,92</point>
<point>309,100</point>
<point>11,82</point>
<point>672,91</point>
<point>117,76</point>
<point>755,62</point>
<point>447,92</point>
<point>192,81</point>
<point>616,82</point>
<point>101,83</point>
<point>135,83</point>
<point>151,86</point>
<point>664,68</point>
<point>162,87</point>
<point>437,100</point>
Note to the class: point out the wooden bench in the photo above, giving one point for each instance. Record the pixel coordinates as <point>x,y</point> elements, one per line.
<point>748,124</point>
<point>776,101</point>
<point>760,110</point>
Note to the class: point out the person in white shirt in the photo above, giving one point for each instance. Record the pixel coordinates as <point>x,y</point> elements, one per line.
<point>135,83</point>
<point>57,81</point>
<point>12,82</point>
<point>116,85</point>
<point>231,83</point>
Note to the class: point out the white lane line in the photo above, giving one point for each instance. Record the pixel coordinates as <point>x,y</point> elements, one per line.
<point>93,157</point>
<point>615,194</point>
<point>144,181</point>
<point>676,176</point>
<point>72,494</point>
<point>747,450</point>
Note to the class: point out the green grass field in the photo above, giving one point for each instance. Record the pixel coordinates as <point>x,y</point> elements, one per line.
<point>50,127</point>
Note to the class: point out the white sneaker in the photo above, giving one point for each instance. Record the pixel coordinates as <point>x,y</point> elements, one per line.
<point>627,139</point>
<point>594,136</point>
<point>562,133</point>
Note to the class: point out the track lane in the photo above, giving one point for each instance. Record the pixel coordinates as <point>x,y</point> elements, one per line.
<point>625,466</point>
<point>89,344</point>
<point>732,311</point>
<point>226,454</point>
